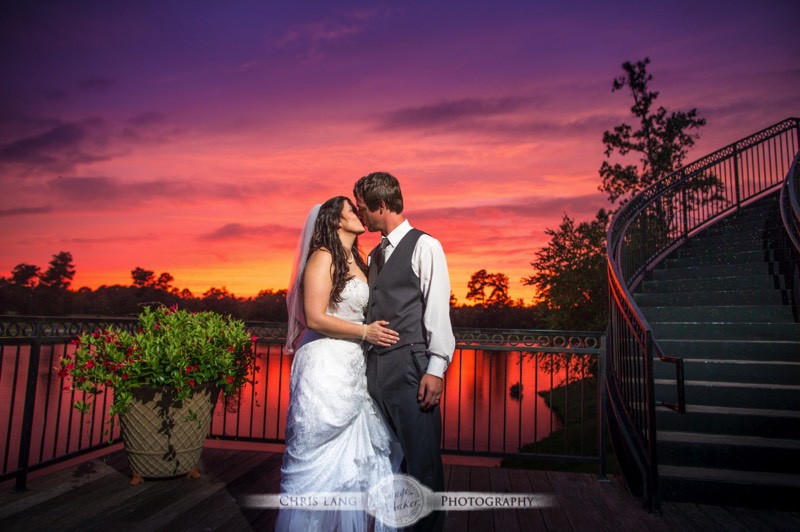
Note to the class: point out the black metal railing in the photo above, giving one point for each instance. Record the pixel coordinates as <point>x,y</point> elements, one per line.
<point>642,232</point>
<point>790,215</point>
<point>518,394</point>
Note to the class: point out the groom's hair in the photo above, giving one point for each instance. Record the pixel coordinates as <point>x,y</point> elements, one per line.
<point>377,187</point>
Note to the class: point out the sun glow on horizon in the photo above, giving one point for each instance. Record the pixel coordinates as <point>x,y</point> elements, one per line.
<point>196,145</point>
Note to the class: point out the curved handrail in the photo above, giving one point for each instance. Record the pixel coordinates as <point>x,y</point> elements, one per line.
<point>641,233</point>
<point>790,215</point>
<point>790,206</point>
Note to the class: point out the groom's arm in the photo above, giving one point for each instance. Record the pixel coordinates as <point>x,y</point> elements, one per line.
<point>430,264</point>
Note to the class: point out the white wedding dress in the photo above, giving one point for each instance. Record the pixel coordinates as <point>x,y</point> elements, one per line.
<point>336,441</point>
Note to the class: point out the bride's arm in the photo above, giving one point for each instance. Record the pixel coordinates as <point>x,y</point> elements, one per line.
<point>317,285</point>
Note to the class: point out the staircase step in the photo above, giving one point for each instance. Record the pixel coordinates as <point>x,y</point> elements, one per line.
<point>720,302</point>
<point>728,314</point>
<point>732,394</point>
<point>745,371</point>
<point>731,349</point>
<point>729,487</point>
<point>721,283</point>
<point>722,242</point>
<point>715,271</point>
<point>766,214</point>
<point>722,297</point>
<point>728,331</point>
<point>754,228</point>
<point>730,420</point>
<point>720,258</point>
<point>727,451</point>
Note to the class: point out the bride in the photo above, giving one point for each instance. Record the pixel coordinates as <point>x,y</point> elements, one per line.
<point>335,440</point>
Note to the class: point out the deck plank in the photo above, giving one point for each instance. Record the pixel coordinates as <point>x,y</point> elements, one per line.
<point>456,481</point>
<point>97,495</point>
<point>552,510</point>
<point>530,520</point>
<point>504,519</point>
<point>479,482</point>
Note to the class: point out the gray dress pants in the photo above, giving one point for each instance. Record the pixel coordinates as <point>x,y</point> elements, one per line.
<point>393,381</point>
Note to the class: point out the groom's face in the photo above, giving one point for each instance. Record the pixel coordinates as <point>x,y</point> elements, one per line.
<point>371,219</point>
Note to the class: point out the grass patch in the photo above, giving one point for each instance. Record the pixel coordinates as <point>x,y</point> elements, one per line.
<point>576,406</point>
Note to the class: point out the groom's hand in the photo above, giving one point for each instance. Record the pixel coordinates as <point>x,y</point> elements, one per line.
<point>430,392</point>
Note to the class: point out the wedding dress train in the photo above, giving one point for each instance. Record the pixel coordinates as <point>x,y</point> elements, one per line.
<point>336,441</point>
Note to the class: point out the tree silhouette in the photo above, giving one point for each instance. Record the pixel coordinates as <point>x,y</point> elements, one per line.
<point>164,282</point>
<point>60,273</point>
<point>25,275</point>
<point>142,277</point>
<point>496,283</point>
<point>662,138</point>
<point>570,274</point>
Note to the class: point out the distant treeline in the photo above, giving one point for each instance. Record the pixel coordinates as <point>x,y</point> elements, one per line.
<point>30,292</point>
<point>268,305</point>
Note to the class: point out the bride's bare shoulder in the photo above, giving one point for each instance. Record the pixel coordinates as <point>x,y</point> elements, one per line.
<point>321,257</point>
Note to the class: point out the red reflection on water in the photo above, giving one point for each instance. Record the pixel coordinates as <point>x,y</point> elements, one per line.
<point>492,402</point>
<point>479,410</point>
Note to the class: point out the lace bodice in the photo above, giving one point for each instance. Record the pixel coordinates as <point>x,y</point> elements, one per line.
<point>355,297</point>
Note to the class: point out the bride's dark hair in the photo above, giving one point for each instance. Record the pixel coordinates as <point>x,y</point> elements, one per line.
<point>326,237</point>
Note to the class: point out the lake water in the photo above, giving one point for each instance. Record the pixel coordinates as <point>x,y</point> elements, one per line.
<point>480,411</point>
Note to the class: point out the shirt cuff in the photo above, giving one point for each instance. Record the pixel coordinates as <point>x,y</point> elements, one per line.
<point>436,366</point>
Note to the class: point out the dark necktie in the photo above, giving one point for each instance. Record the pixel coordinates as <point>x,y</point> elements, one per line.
<point>381,252</point>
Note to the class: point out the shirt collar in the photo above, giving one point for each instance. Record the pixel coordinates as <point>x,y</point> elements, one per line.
<point>399,232</point>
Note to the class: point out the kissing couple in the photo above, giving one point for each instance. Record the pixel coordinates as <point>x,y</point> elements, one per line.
<point>371,341</point>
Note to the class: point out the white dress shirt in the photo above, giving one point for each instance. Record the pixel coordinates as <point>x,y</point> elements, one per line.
<point>430,265</point>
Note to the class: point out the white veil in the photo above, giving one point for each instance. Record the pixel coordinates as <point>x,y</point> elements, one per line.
<point>294,296</point>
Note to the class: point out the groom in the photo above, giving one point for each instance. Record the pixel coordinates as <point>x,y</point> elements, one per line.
<point>410,288</point>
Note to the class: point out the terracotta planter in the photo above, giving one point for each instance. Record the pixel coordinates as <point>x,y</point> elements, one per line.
<point>164,437</point>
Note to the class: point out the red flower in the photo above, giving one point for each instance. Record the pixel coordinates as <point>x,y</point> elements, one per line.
<point>192,383</point>
<point>124,376</point>
<point>230,380</point>
<point>89,365</point>
<point>188,369</point>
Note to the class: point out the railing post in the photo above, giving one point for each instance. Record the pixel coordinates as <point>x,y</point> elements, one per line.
<point>28,410</point>
<point>652,441</point>
<point>685,209</point>
<point>797,132</point>
<point>736,175</point>
<point>602,434</point>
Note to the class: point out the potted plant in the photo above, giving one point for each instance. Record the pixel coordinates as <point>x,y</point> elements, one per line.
<point>166,377</point>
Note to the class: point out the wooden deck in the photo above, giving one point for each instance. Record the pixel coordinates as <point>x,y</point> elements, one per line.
<point>96,495</point>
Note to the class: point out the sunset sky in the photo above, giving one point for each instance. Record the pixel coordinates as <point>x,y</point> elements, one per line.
<point>193,137</point>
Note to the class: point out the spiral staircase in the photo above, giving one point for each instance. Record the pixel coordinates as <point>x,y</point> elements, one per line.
<point>703,366</point>
<point>722,303</point>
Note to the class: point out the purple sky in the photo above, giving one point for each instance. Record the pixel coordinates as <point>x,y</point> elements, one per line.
<point>192,137</point>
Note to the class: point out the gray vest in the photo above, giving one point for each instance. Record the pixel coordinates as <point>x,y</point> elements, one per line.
<point>395,295</point>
